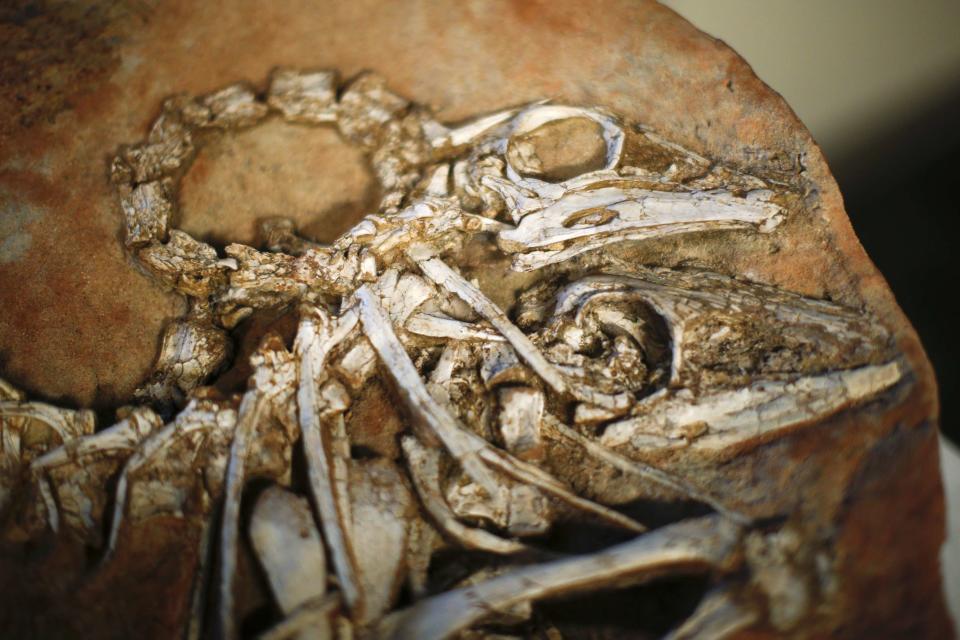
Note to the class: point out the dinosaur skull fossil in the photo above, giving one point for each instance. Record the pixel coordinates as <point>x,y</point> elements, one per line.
<point>595,354</point>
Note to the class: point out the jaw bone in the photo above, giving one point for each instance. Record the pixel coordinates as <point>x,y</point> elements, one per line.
<point>559,220</point>
<point>589,218</point>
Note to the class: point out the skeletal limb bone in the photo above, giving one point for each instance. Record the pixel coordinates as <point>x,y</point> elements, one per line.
<point>115,441</point>
<point>444,276</point>
<point>424,467</point>
<point>707,542</point>
<point>471,451</point>
<point>436,418</point>
<point>197,416</point>
<point>290,550</point>
<point>326,469</point>
<point>312,617</point>
<point>556,429</point>
<point>719,615</point>
<point>252,408</point>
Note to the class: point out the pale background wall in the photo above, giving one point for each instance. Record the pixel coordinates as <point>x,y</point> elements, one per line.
<point>850,68</point>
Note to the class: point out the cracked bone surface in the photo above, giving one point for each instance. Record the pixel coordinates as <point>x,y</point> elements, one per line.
<point>526,377</point>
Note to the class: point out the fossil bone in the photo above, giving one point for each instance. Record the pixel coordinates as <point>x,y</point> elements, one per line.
<point>707,542</point>
<point>638,360</point>
<point>764,408</point>
<point>290,549</point>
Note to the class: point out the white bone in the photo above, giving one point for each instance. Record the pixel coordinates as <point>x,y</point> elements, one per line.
<point>581,221</point>
<point>289,548</point>
<point>707,542</point>
<point>447,278</point>
<point>434,325</point>
<point>326,469</point>
<point>521,417</point>
<point>764,409</point>
<point>719,615</point>
<point>424,467</point>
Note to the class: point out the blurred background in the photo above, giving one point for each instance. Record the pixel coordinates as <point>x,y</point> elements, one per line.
<point>877,82</point>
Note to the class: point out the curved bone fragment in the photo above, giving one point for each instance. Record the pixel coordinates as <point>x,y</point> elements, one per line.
<point>382,507</point>
<point>707,542</point>
<point>311,620</point>
<point>81,467</point>
<point>290,549</point>
<point>424,466</point>
<point>588,219</point>
<point>326,466</point>
<point>745,416</point>
<point>200,436</point>
<point>719,615</point>
<point>21,439</point>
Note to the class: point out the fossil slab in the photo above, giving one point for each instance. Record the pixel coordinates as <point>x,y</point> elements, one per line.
<point>559,339</point>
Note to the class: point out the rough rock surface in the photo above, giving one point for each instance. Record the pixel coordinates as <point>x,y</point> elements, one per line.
<point>81,326</point>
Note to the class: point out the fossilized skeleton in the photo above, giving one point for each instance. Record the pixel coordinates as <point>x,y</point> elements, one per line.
<point>596,355</point>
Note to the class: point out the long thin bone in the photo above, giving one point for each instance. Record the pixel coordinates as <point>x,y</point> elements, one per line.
<point>470,450</point>
<point>314,341</point>
<point>444,276</point>
<point>201,578</point>
<point>434,325</point>
<point>385,342</point>
<point>707,542</point>
<point>125,435</point>
<point>311,616</point>
<point>424,465</point>
<point>556,429</point>
<point>251,412</point>
<point>719,615</point>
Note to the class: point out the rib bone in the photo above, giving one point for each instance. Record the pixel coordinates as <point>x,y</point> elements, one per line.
<point>316,336</point>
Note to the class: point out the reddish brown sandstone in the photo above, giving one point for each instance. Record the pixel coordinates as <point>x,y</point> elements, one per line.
<point>81,325</point>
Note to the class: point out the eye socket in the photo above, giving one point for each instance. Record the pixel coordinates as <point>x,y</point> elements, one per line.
<point>559,150</point>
